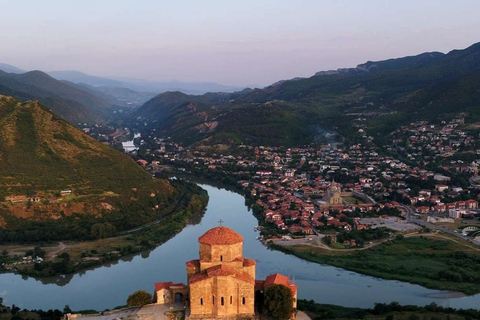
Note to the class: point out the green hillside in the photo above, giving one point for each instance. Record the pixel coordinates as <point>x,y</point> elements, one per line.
<point>42,150</point>
<point>42,154</point>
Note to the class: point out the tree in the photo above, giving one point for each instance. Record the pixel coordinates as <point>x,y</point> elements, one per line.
<point>102,230</point>
<point>67,309</point>
<point>139,298</point>
<point>278,302</point>
<point>65,256</point>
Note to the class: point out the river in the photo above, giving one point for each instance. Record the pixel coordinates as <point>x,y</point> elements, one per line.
<point>109,286</point>
<point>129,146</point>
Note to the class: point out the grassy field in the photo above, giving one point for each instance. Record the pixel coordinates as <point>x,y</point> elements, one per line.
<point>353,200</point>
<point>392,311</point>
<point>434,261</point>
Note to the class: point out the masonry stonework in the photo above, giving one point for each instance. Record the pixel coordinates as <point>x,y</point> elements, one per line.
<point>221,284</point>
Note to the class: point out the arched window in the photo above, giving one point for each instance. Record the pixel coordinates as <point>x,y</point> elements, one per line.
<point>201,301</point>
<point>221,258</point>
<point>243,300</point>
<point>213,299</point>
<point>221,301</point>
<point>231,299</point>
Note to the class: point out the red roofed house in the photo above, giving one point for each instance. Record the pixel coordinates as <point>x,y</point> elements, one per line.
<point>423,209</point>
<point>169,292</point>
<point>278,279</point>
<point>142,162</point>
<point>471,204</point>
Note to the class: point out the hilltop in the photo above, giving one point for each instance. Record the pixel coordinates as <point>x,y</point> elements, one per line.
<point>43,155</point>
<point>382,95</point>
<point>69,102</point>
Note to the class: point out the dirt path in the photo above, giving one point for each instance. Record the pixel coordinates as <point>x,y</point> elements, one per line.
<point>317,243</point>
<point>61,246</point>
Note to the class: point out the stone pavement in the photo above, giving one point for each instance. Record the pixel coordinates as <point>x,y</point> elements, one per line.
<point>302,316</point>
<point>148,312</point>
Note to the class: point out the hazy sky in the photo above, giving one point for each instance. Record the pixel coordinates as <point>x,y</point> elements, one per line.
<point>232,42</point>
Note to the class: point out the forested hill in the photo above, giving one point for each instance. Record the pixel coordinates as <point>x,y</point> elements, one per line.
<point>385,94</point>
<point>42,155</point>
<point>42,151</point>
<point>67,101</point>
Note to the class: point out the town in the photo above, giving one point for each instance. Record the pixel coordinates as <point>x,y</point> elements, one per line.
<point>348,194</point>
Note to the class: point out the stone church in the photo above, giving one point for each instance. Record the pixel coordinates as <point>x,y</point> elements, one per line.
<point>333,196</point>
<point>221,284</point>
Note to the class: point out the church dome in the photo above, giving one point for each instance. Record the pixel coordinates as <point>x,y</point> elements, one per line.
<point>220,236</point>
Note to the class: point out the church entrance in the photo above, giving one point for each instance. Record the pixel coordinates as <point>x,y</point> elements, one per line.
<point>178,297</point>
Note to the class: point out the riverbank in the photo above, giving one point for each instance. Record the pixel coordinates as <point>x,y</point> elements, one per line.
<point>434,261</point>
<point>307,310</point>
<point>385,311</point>
<point>109,285</point>
<point>72,257</point>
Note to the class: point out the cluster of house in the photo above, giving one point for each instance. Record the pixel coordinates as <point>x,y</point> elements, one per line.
<point>422,141</point>
<point>297,213</point>
<point>456,210</point>
<point>25,260</point>
<point>300,176</point>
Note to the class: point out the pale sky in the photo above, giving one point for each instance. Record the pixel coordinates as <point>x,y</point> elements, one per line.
<point>247,42</point>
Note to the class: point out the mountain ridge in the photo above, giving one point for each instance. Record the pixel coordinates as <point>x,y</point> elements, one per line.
<point>382,90</point>
<point>70,103</point>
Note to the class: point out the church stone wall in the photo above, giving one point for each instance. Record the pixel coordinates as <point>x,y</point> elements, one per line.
<point>163,296</point>
<point>250,270</point>
<point>206,297</point>
<point>216,254</point>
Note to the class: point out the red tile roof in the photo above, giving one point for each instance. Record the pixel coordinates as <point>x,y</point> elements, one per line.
<point>198,277</point>
<point>193,263</point>
<point>278,279</point>
<point>259,284</point>
<point>221,270</point>
<point>220,236</point>
<point>249,262</point>
<point>167,285</point>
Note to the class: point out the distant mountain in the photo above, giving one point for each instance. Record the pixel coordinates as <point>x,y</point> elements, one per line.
<point>185,87</point>
<point>10,69</point>
<point>385,94</point>
<point>48,83</point>
<point>71,103</point>
<point>142,85</point>
<point>117,95</point>
<point>41,154</point>
<point>80,77</point>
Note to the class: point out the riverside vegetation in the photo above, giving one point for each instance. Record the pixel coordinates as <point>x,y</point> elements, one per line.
<point>381,311</point>
<point>431,260</point>
<point>106,194</point>
<point>85,254</point>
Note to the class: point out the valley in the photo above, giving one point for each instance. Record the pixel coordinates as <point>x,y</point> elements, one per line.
<point>366,166</point>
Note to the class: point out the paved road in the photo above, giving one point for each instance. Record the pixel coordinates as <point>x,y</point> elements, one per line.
<point>411,218</point>
<point>409,212</point>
